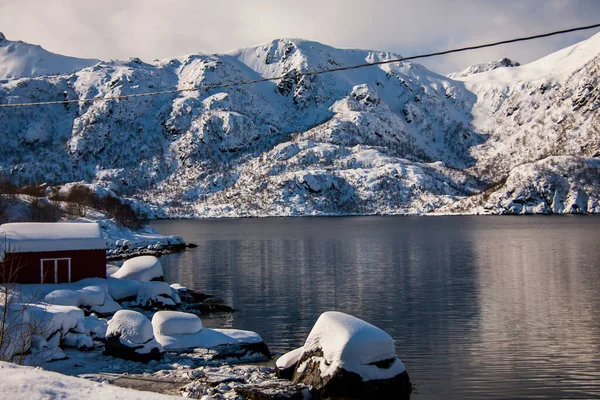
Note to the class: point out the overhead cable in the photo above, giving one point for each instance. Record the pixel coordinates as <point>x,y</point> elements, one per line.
<point>299,74</point>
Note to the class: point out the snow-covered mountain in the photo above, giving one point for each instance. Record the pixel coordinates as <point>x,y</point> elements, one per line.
<point>391,139</point>
<point>23,60</point>
<point>479,68</point>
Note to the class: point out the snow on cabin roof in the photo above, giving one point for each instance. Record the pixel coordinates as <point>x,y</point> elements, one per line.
<point>24,237</point>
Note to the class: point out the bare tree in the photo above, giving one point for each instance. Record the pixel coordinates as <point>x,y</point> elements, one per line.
<point>19,327</point>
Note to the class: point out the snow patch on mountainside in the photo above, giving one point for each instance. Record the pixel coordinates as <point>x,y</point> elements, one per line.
<point>479,68</point>
<point>23,60</point>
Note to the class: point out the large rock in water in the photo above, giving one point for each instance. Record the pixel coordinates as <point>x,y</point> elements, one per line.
<point>142,269</point>
<point>130,336</point>
<point>346,357</point>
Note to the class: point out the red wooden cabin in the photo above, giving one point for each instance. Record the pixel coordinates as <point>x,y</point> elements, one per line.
<point>51,252</point>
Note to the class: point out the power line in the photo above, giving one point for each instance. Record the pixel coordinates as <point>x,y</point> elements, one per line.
<point>301,74</point>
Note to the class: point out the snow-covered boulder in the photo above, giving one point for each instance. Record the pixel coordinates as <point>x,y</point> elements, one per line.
<point>111,269</point>
<point>80,341</point>
<point>91,298</point>
<point>157,294</point>
<point>95,327</point>
<point>176,323</point>
<point>286,364</point>
<point>63,297</point>
<point>142,269</point>
<point>108,307</point>
<point>87,297</point>
<point>123,289</point>
<point>178,331</point>
<point>57,319</point>
<point>46,350</point>
<point>347,357</point>
<point>130,336</point>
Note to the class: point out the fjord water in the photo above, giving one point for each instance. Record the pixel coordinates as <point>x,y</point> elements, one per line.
<point>494,307</point>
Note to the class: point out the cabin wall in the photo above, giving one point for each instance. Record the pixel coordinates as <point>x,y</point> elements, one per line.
<point>84,264</point>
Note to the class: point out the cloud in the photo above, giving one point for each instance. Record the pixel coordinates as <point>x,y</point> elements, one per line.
<point>152,29</point>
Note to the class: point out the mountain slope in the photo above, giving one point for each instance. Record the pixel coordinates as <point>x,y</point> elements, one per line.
<point>533,115</point>
<point>23,60</point>
<point>391,139</point>
<point>479,68</point>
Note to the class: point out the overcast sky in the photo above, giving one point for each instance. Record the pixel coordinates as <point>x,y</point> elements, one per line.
<point>151,29</point>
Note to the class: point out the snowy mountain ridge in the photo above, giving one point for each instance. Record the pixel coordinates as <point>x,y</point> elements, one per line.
<point>390,139</point>
<point>20,60</point>
<point>479,68</point>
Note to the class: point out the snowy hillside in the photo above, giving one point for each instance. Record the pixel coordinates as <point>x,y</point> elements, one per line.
<point>390,139</point>
<point>536,113</point>
<point>479,68</point>
<point>22,60</point>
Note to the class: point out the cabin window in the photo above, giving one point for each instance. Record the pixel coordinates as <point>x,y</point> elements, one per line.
<point>55,270</point>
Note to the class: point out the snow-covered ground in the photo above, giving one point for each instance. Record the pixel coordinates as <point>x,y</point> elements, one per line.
<point>21,382</point>
<point>120,241</point>
<point>389,139</point>
<point>60,332</point>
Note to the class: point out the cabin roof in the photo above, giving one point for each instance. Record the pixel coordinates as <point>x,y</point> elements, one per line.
<point>25,237</point>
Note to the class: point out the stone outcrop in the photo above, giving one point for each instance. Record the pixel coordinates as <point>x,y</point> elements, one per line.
<point>347,358</point>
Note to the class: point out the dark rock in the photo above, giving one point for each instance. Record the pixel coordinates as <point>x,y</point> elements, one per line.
<point>192,296</point>
<point>344,384</point>
<point>113,347</point>
<point>273,390</point>
<point>286,373</point>
<point>242,350</point>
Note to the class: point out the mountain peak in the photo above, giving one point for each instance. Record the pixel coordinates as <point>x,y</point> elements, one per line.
<point>24,60</point>
<point>479,68</point>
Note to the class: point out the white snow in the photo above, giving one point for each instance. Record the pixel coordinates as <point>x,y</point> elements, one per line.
<point>181,331</point>
<point>95,327</point>
<point>88,296</point>
<point>120,239</point>
<point>176,323</point>
<point>78,341</point>
<point>142,269</point>
<point>241,336</point>
<point>391,139</point>
<point>54,236</point>
<point>21,60</point>
<point>352,344</point>
<point>155,292</point>
<point>58,318</point>
<point>63,297</point>
<point>16,335</point>
<point>132,327</point>
<point>204,339</point>
<point>290,358</point>
<point>111,269</point>
<point>120,289</point>
<point>20,382</point>
<point>556,66</point>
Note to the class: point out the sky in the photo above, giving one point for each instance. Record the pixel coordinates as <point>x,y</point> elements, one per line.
<point>157,29</point>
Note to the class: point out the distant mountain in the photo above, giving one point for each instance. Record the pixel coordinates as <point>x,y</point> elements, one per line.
<point>390,139</point>
<point>543,125</point>
<point>479,68</point>
<point>24,60</point>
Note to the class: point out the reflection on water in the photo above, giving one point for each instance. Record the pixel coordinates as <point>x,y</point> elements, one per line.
<point>499,307</point>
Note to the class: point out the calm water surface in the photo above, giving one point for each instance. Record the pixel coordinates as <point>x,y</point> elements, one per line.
<point>494,307</point>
